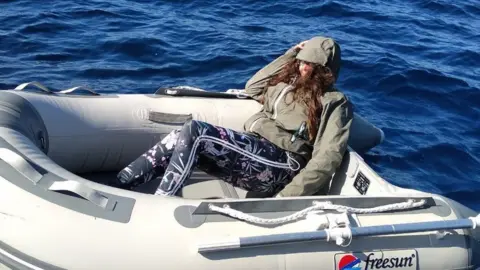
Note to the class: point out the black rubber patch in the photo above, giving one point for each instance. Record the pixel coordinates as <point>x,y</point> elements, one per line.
<point>169,118</point>
<point>361,183</point>
<point>183,92</point>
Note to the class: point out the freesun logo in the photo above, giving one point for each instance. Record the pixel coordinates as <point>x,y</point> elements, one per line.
<point>351,262</point>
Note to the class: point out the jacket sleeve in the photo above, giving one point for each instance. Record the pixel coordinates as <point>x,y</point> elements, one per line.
<point>255,85</point>
<point>328,151</point>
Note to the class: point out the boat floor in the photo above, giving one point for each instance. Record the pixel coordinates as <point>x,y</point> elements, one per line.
<point>200,185</point>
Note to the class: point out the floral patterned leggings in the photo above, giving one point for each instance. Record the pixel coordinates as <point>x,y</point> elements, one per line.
<point>244,160</point>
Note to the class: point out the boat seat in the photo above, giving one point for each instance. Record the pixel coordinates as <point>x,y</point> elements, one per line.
<point>200,186</point>
<point>205,186</point>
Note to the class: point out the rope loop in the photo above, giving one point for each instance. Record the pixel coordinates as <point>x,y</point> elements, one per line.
<point>327,205</point>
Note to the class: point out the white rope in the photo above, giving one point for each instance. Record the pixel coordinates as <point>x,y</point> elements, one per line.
<point>239,93</point>
<point>317,206</point>
<point>235,91</point>
<point>257,220</point>
<point>383,208</point>
<point>187,87</point>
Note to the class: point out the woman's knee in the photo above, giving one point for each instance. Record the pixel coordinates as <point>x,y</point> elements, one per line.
<point>189,124</point>
<point>191,129</point>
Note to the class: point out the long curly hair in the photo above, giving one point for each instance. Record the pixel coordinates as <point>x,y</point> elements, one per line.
<point>308,89</point>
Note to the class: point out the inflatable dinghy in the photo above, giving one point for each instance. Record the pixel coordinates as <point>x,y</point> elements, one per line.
<point>59,149</point>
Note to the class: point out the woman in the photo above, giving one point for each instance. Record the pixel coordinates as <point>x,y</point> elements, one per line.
<point>291,147</point>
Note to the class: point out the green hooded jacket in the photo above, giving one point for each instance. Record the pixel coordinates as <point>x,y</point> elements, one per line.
<point>280,118</point>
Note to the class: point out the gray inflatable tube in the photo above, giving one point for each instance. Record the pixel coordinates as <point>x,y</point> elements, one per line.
<point>58,151</point>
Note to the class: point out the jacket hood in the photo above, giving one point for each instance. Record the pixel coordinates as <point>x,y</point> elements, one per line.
<point>324,51</point>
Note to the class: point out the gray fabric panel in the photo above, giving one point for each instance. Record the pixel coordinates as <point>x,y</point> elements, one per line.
<point>190,218</point>
<point>204,185</point>
<point>79,189</point>
<point>169,118</point>
<point>19,114</point>
<point>184,216</point>
<point>121,210</point>
<point>259,206</point>
<point>17,265</point>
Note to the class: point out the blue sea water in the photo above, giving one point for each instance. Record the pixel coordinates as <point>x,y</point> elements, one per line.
<point>410,67</point>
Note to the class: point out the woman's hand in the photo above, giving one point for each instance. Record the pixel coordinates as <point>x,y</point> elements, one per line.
<point>300,45</point>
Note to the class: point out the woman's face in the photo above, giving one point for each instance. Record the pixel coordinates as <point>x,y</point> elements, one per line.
<point>305,68</point>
